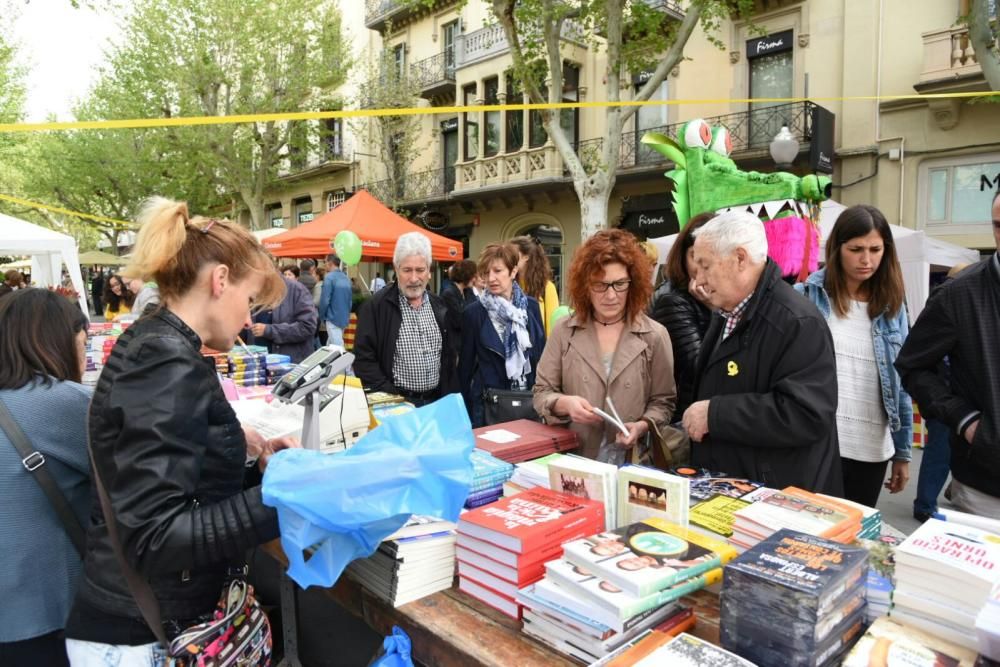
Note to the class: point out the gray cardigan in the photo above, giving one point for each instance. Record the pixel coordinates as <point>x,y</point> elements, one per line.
<point>41,567</point>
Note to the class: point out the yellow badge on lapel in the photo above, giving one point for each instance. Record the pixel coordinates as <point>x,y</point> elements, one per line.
<point>732,369</point>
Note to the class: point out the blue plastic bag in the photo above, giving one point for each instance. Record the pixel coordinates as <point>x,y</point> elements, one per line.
<point>397,650</point>
<point>344,504</point>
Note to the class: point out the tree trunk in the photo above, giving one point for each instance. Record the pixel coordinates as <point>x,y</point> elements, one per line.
<point>982,37</point>
<point>593,209</point>
<point>255,204</point>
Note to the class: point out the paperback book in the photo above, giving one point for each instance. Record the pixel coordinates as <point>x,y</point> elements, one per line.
<point>586,478</point>
<point>684,650</point>
<point>646,557</point>
<point>892,644</point>
<point>714,517</point>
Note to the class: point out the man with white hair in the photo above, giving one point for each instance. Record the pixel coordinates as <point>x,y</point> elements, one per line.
<point>402,345</point>
<point>766,399</point>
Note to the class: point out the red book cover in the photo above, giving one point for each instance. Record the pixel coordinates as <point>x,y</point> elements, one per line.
<point>514,560</point>
<point>523,440</point>
<point>531,520</point>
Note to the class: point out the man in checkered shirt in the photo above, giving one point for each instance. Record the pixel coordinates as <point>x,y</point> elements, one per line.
<point>402,345</point>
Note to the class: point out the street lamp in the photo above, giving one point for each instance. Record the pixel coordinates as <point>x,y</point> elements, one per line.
<point>784,148</point>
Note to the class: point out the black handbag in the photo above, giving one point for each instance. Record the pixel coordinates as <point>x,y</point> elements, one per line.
<point>507,405</point>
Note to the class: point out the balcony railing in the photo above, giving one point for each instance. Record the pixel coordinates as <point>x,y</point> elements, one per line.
<point>435,74</point>
<point>948,58</point>
<point>378,13</point>
<point>488,42</point>
<point>414,188</point>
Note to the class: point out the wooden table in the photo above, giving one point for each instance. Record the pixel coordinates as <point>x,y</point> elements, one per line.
<point>452,629</point>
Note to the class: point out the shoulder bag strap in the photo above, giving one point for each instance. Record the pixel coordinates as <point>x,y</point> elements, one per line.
<point>34,462</point>
<point>141,591</point>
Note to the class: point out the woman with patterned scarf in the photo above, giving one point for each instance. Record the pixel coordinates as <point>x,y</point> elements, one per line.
<point>502,333</point>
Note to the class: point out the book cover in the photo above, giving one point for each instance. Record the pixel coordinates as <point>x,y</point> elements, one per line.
<point>418,525</point>
<point>528,598</point>
<point>490,597</point>
<point>647,493</point>
<point>586,479</point>
<point>795,573</point>
<point>530,520</point>
<point>686,650</point>
<point>891,644</point>
<point>953,551</point>
<point>786,509</point>
<point>716,515</point>
<point>510,558</point>
<point>646,557</point>
<point>523,439</point>
<point>732,487</point>
<point>585,584</point>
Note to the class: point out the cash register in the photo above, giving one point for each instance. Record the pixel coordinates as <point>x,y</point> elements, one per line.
<point>335,414</point>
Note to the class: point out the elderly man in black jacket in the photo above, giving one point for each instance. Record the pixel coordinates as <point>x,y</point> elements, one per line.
<point>962,322</point>
<point>402,343</point>
<point>766,399</point>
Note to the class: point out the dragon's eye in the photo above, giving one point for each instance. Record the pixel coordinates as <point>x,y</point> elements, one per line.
<point>697,134</point>
<point>722,143</point>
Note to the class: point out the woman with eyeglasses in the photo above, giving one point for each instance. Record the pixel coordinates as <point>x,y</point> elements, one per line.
<point>118,299</point>
<point>502,333</point>
<point>609,348</point>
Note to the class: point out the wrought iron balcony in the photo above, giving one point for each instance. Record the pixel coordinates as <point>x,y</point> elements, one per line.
<point>435,75</point>
<point>414,188</point>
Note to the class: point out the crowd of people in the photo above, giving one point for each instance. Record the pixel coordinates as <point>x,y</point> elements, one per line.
<point>807,385</point>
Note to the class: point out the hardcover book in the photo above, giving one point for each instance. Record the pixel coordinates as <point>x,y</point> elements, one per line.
<point>523,439</point>
<point>646,557</point>
<point>585,478</point>
<point>647,493</point>
<point>530,520</point>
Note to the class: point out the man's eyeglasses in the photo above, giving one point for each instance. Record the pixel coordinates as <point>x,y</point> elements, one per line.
<point>601,287</point>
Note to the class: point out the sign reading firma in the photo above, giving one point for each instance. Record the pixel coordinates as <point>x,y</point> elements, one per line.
<point>774,43</point>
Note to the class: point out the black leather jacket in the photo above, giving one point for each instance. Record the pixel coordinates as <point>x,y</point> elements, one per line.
<point>686,320</point>
<point>171,455</point>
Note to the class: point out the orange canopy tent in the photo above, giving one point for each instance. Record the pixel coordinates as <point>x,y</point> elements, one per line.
<point>377,226</point>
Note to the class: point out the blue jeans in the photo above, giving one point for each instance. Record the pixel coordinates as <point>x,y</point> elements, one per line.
<point>94,654</point>
<point>934,467</point>
<point>334,334</point>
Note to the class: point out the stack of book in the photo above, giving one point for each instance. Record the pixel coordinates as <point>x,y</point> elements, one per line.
<point>706,484</point>
<point>654,649</point>
<point>880,581</point>
<point>503,546</point>
<point>248,366</point>
<point>944,574</point>
<point>626,580</point>
<point>415,561</point>
<point>988,625</point>
<point>586,478</point>
<point>488,477</point>
<point>523,440</point>
<point>795,600</point>
<point>889,643</point>
<point>715,517</point>
<point>797,510</point>
<point>871,518</point>
<point>529,474</point>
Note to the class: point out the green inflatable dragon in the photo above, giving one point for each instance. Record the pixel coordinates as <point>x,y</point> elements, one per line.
<point>706,179</point>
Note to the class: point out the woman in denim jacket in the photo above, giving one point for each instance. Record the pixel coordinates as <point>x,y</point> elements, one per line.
<point>860,292</point>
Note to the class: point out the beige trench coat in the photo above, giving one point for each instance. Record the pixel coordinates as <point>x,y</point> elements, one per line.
<point>641,383</point>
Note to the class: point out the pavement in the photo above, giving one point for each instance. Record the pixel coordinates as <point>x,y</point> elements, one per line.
<point>897,509</point>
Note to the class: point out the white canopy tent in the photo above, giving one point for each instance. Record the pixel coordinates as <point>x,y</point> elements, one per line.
<point>49,250</point>
<point>918,254</point>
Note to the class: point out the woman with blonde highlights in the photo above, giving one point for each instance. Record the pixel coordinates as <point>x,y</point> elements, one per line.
<point>609,348</point>
<point>166,444</point>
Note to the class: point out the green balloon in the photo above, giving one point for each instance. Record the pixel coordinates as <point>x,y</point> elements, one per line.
<point>558,314</point>
<point>348,247</point>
